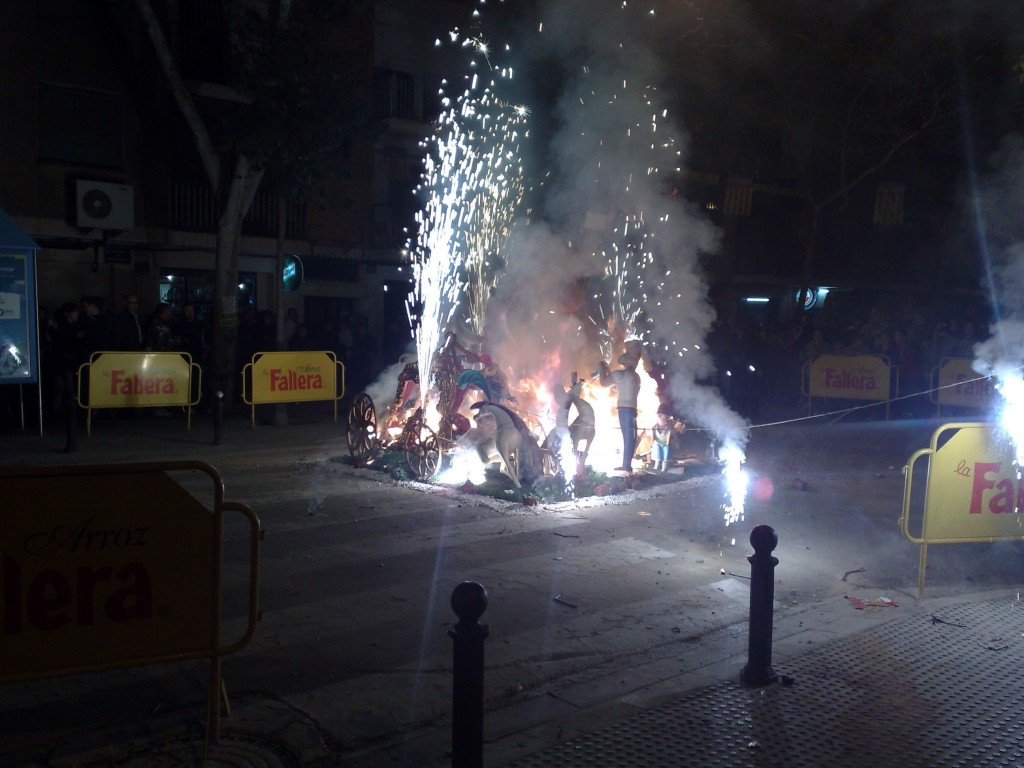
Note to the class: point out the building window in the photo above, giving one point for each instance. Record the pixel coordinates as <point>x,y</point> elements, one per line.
<point>203,43</point>
<point>433,99</point>
<point>394,94</point>
<point>80,126</point>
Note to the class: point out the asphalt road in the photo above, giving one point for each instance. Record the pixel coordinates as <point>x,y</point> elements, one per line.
<point>357,572</point>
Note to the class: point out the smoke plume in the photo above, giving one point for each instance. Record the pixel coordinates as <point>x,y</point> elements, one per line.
<point>605,248</point>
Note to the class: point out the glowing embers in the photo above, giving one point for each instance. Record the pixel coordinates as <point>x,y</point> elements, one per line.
<point>736,482</point>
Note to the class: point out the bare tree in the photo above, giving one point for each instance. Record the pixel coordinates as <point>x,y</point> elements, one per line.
<point>295,108</point>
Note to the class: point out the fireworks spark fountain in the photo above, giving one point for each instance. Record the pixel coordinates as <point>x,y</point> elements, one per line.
<point>648,242</point>
<point>605,220</point>
<point>997,214</point>
<point>996,357</point>
<point>472,186</point>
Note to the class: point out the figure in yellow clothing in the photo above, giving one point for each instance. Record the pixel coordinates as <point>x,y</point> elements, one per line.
<point>662,438</point>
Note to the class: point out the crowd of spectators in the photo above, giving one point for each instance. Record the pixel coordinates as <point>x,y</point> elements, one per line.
<point>70,335</point>
<point>349,339</point>
<point>761,365</point>
<point>74,331</point>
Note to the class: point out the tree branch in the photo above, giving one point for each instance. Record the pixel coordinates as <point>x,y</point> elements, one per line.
<point>187,106</point>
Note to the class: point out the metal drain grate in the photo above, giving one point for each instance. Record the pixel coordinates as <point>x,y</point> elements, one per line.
<point>914,693</point>
<point>235,750</point>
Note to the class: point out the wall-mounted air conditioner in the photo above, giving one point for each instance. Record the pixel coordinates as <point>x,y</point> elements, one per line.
<point>101,205</point>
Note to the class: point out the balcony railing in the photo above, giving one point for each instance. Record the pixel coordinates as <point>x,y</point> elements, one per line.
<point>391,226</point>
<point>193,209</point>
<point>394,94</point>
<point>202,42</point>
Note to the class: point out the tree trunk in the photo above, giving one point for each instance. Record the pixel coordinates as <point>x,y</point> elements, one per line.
<point>278,282</point>
<point>809,248</point>
<point>234,195</point>
<point>280,409</point>
<point>225,369</point>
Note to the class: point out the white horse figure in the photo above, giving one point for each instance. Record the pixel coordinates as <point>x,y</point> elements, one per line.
<point>498,439</point>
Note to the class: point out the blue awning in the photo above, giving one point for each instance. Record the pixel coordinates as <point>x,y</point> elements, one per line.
<point>13,237</point>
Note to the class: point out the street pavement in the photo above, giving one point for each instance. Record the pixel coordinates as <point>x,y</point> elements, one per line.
<point>928,682</point>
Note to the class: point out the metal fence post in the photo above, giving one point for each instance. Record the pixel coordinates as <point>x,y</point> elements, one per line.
<point>758,670</point>
<point>70,422</point>
<point>469,601</point>
<point>218,416</point>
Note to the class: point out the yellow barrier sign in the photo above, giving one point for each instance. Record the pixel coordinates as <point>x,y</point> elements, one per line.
<point>960,385</point>
<point>854,377</point>
<point>110,566</point>
<point>973,491</point>
<point>89,581</point>
<point>291,377</point>
<point>139,379</point>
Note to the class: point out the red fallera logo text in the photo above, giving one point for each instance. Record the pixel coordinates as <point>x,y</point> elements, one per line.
<point>286,381</point>
<point>120,384</point>
<point>52,600</point>
<point>975,387</point>
<point>1007,495</point>
<point>843,379</point>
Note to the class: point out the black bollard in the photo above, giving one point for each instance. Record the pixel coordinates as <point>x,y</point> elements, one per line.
<point>469,601</point>
<point>758,670</point>
<point>218,416</point>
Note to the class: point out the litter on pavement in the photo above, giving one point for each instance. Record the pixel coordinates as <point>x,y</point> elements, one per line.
<point>878,602</point>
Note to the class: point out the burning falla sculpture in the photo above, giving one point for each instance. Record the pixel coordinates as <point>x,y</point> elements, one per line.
<point>494,432</point>
<point>583,428</point>
<point>496,439</point>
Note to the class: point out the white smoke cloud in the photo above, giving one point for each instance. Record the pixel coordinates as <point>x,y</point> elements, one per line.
<point>1001,211</point>
<point>608,146</point>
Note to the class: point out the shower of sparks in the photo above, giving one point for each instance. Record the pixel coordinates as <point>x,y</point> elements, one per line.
<point>472,186</point>
<point>1011,387</point>
<point>631,157</point>
<point>1000,358</point>
<point>472,190</point>
<point>736,482</point>
<point>1009,383</point>
<point>631,248</point>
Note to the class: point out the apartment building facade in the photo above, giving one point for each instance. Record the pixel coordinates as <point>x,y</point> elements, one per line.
<point>100,170</point>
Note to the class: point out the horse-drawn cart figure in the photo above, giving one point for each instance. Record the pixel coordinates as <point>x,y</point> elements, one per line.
<point>416,441</point>
<point>500,435</point>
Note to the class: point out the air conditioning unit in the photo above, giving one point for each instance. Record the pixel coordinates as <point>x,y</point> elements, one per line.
<point>101,205</point>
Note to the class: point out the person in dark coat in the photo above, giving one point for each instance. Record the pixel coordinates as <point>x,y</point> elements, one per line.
<point>192,338</point>
<point>67,353</point>
<point>191,333</point>
<point>96,324</point>
<point>130,335</point>
<point>159,334</point>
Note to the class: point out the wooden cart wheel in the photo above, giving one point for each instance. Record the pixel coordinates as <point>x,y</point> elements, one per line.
<point>362,429</point>
<point>424,455</point>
